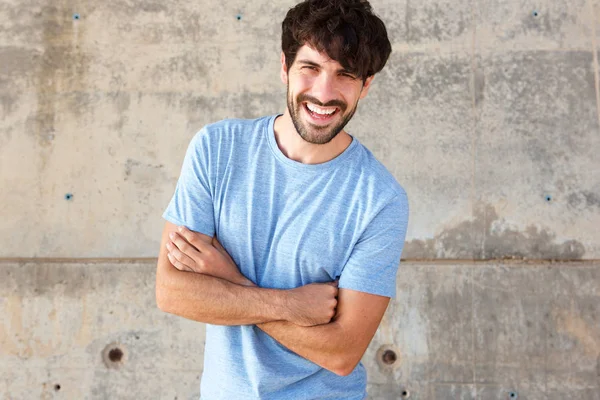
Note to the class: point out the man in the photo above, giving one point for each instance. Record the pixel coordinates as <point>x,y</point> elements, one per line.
<point>284,233</point>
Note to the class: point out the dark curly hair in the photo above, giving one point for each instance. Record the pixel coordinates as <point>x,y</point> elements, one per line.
<point>346,30</point>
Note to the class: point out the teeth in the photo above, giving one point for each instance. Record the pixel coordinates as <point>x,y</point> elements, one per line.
<point>319,110</point>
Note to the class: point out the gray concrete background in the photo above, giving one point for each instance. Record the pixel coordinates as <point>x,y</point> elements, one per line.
<point>487,113</point>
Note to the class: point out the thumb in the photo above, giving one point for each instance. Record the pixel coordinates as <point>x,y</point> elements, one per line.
<point>334,283</point>
<point>217,244</point>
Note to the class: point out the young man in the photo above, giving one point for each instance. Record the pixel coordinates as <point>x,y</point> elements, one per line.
<point>294,230</point>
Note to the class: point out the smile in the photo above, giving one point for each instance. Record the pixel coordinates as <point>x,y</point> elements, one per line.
<point>320,114</point>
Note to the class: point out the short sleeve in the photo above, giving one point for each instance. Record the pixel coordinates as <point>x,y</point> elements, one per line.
<point>375,258</point>
<point>192,204</point>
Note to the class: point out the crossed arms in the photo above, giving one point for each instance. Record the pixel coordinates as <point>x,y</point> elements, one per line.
<point>198,280</point>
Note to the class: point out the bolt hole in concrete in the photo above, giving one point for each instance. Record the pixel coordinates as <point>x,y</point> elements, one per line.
<point>57,387</point>
<point>512,395</point>
<point>76,16</point>
<point>548,198</point>
<point>238,17</point>
<point>114,355</point>
<point>68,196</point>
<point>389,357</point>
<point>535,13</point>
<point>405,394</point>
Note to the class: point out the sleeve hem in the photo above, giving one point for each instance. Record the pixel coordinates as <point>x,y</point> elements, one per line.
<point>205,229</point>
<point>369,287</point>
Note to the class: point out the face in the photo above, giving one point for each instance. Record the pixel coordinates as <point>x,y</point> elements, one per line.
<point>321,95</point>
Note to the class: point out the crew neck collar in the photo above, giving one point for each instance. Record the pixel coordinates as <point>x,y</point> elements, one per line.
<point>270,132</point>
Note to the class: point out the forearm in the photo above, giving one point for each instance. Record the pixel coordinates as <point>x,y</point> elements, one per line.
<point>216,301</point>
<point>327,345</point>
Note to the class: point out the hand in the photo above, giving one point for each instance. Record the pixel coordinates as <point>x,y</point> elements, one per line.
<point>313,304</point>
<point>188,251</point>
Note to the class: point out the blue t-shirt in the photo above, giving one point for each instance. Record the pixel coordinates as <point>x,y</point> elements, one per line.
<point>287,224</point>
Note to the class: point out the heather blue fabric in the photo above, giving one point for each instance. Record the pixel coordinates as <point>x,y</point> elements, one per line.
<point>287,224</point>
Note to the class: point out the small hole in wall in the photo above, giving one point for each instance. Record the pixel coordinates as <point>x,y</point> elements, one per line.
<point>76,17</point>
<point>535,13</point>
<point>405,394</point>
<point>115,355</point>
<point>389,357</point>
<point>57,387</point>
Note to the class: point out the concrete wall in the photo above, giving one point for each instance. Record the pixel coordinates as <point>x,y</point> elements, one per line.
<point>487,113</point>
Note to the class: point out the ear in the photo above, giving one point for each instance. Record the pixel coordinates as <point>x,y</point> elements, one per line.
<point>366,87</point>
<point>284,71</point>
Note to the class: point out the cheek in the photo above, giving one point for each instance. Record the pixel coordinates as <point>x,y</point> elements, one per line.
<point>301,83</point>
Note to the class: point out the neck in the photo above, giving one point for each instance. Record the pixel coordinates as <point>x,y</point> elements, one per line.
<point>295,148</point>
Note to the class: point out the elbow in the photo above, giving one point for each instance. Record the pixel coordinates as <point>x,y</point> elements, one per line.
<point>344,365</point>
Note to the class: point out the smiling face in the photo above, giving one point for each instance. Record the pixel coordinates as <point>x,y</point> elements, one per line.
<point>321,95</point>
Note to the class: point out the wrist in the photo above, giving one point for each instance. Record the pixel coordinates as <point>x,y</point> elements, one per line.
<point>241,280</point>
<point>286,299</point>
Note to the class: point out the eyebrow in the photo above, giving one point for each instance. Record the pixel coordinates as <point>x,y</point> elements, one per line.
<point>314,64</point>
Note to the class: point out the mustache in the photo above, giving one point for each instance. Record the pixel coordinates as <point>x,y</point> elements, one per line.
<point>332,103</point>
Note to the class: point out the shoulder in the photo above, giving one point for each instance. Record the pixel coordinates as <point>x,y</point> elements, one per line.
<point>228,130</point>
<point>380,182</point>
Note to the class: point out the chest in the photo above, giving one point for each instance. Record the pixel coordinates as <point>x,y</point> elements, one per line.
<point>285,232</point>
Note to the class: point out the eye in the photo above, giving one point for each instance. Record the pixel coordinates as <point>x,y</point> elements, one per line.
<point>310,67</point>
<point>348,75</point>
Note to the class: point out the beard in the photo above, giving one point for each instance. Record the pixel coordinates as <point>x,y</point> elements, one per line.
<point>312,133</point>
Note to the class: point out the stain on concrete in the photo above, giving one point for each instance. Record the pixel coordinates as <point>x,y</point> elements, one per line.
<point>16,62</point>
<point>478,86</point>
<point>80,103</point>
<point>142,173</point>
<point>583,199</point>
<point>151,7</point>
<point>187,66</point>
<point>425,21</point>
<point>544,22</point>
<point>569,323</point>
<point>428,77</point>
<point>488,236</point>
<point>63,64</point>
<point>8,102</point>
<point>121,102</point>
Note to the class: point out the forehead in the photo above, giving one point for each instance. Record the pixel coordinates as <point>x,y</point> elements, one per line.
<point>310,54</point>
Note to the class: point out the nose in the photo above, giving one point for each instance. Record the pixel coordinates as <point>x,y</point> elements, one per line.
<point>324,88</point>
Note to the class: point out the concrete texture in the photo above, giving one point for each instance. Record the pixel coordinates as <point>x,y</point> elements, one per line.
<point>464,330</point>
<point>487,113</point>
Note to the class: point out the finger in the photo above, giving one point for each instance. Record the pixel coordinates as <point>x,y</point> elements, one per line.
<point>183,245</point>
<point>193,238</point>
<point>180,256</point>
<point>177,264</point>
